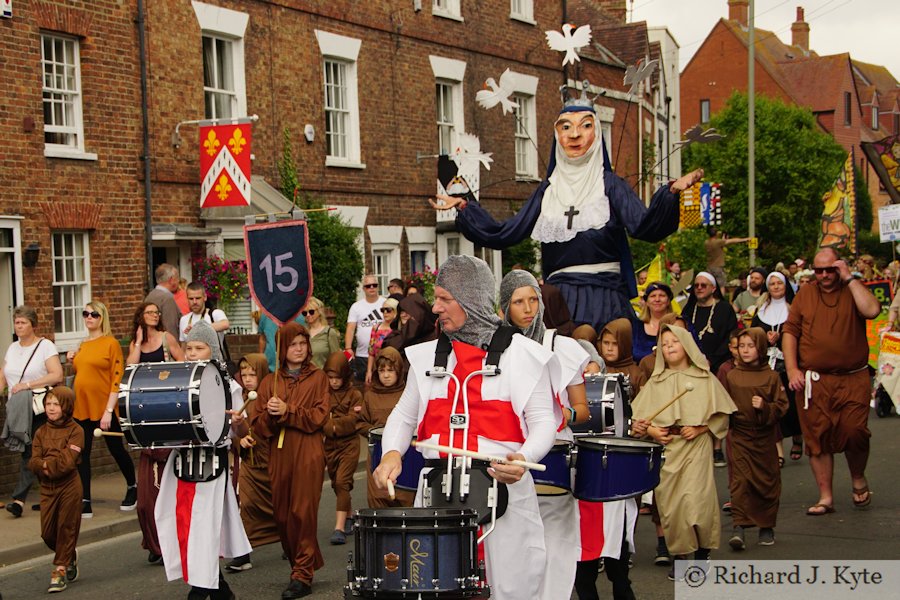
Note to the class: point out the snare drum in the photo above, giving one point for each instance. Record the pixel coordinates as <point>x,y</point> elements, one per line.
<point>175,405</point>
<point>413,553</point>
<point>612,468</point>
<point>557,479</point>
<point>608,405</point>
<point>413,461</point>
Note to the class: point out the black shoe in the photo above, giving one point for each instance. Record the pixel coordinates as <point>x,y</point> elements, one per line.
<point>86,511</point>
<point>130,501</point>
<point>153,558</point>
<point>348,526</point>
<point>338,538</point>
<point>296,589</point>
<point>15,509</point>
<point>35,507</point>
<point>72,570</point>
<point>239,563</point>
<point>719,459</point>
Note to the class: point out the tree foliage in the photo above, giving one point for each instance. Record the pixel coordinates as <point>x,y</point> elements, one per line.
<point>337,263</point>
<point>796,163</point>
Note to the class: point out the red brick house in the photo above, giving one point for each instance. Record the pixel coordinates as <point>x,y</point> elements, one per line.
<point>846,97</point>
<point>377,84</point>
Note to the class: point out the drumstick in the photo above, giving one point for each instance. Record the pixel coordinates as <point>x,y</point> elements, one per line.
<point>100,433</point>
<point>390,488</point>
<point>250,398</point>
<point>687,387</point>
<point>479,456</point>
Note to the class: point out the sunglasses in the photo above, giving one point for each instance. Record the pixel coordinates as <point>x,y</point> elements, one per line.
<point>306,313</point>
<point>701,286</point>
<point>386,309</point>
<point>820,270</point>
<point>370,285</point>
<point>90,313</point>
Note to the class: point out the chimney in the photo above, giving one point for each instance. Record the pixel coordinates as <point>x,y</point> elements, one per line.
<point>800,31</point>
<point>739,10</point>
<point>615,9</point>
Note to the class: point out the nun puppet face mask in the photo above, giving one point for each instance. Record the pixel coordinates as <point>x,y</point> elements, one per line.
<point>576,132</point>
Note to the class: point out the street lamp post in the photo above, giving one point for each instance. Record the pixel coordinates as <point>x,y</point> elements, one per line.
<point>751,133</point>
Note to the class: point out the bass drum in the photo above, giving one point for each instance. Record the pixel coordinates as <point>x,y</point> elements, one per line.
<point>175,405</point>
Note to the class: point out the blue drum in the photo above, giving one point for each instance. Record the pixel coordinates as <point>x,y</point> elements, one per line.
<point>416,553</point>
<point>613,468</point>
<point>608,403</point>
<point>175,405</point>
<point>413,461</point>
<point>557,479</point>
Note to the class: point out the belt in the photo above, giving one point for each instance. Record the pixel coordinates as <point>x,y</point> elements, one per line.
<point>607,267</point>
<point>442,462</point>
<point>812,376</point>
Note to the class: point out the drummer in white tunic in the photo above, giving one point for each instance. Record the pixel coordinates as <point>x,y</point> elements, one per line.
<point>523,307</point>
<point>509,414</point>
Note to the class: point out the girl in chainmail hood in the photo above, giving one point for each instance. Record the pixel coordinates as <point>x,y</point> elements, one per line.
<point>470,281</point>
<point>514,280</point>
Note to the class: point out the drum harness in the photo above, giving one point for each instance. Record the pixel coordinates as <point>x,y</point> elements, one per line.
<point>500,341</point>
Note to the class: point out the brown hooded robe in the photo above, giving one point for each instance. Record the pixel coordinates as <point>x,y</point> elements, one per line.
<point>341,443</point>
<point>755,482</point>
<point>55,454</point>
<point>297,468</point>
<point>378,402</point>
<point>620,329</point>
<point>254,484</point>
<point>686,494</point>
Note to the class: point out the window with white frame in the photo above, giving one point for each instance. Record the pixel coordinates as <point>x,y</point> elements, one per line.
<point>385,241</point>
<point>337,115</point>
<point>447,8</point>
<point>222,39</point>
<point>219,95</point>
<point>63,123</point>
<point>446,125</point>
<point>704,111</point>
<point>381,269</point>
<point>452,246</point>
<point>71,282</point>
<point>522,10</point>
<point>606,132</point>
<point>421,242</point>
<point>448,74</point>
<point>526,152</point>
<point>340,84</point>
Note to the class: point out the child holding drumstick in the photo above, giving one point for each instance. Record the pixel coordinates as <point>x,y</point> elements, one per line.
<point>686,495</point>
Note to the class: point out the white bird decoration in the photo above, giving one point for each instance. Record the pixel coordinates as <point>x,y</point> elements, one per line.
<point>468,149</point>
<point>494,94</point>
<point>569,41</point>
<point>696,135</point>
<point>642,71</point>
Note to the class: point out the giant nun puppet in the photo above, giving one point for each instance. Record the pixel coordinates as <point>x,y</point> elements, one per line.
<point>580,213</point>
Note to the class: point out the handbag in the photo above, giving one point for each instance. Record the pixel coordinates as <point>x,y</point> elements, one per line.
<point>37,400</point>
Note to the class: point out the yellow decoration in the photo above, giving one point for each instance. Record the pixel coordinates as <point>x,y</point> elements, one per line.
<point>691,215</point>
<point>211,143</point>
<point>223,188</point>
<point>753,244</point>
<point>237,142</point>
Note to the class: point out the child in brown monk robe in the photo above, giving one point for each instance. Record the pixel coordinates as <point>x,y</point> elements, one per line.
<point>615,350</point>
<point>255,486</point>
<point>378,402</point>
<point>755,481</point>
<point>56,452</point>
<point>341,443</point>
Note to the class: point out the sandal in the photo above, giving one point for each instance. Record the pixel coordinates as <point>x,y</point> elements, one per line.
<point>813,511</point>
<point>797,451</point>
<point>860,492</point>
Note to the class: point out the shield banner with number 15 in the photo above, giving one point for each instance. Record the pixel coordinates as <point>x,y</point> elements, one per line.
<point>279,268</point>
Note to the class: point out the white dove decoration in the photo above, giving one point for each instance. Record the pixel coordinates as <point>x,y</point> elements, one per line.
<point>569,41</point>
<point>642,71</point>
<point>468,149</point>
<point>494,94</point>
<point>696,135</point>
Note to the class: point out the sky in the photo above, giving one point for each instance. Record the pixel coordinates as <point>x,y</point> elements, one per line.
<point>865,28</point>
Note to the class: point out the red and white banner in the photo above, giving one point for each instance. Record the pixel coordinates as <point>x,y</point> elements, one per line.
<point>225,165</point>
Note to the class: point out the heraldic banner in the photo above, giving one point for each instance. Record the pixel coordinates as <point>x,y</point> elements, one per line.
<point>839,214</point>
<point>225,165</point>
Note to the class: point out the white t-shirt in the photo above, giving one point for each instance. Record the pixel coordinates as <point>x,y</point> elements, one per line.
<point>191,318</point>
<point>366,315</point>
<point>17,356</point>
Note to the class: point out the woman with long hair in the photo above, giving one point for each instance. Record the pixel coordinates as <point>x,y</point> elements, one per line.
<point>151,341</point>
<point>323,338</point>
<point>98,371</point>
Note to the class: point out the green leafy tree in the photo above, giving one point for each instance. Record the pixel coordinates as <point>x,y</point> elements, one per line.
<point>337,263</point>
<point>796,163</point>
<point>523,254</point>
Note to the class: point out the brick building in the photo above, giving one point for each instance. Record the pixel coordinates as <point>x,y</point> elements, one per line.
<point>852,101</point>
<point>401,79</point>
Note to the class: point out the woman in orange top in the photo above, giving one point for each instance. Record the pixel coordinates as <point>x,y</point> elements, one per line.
<point>98,370</point>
